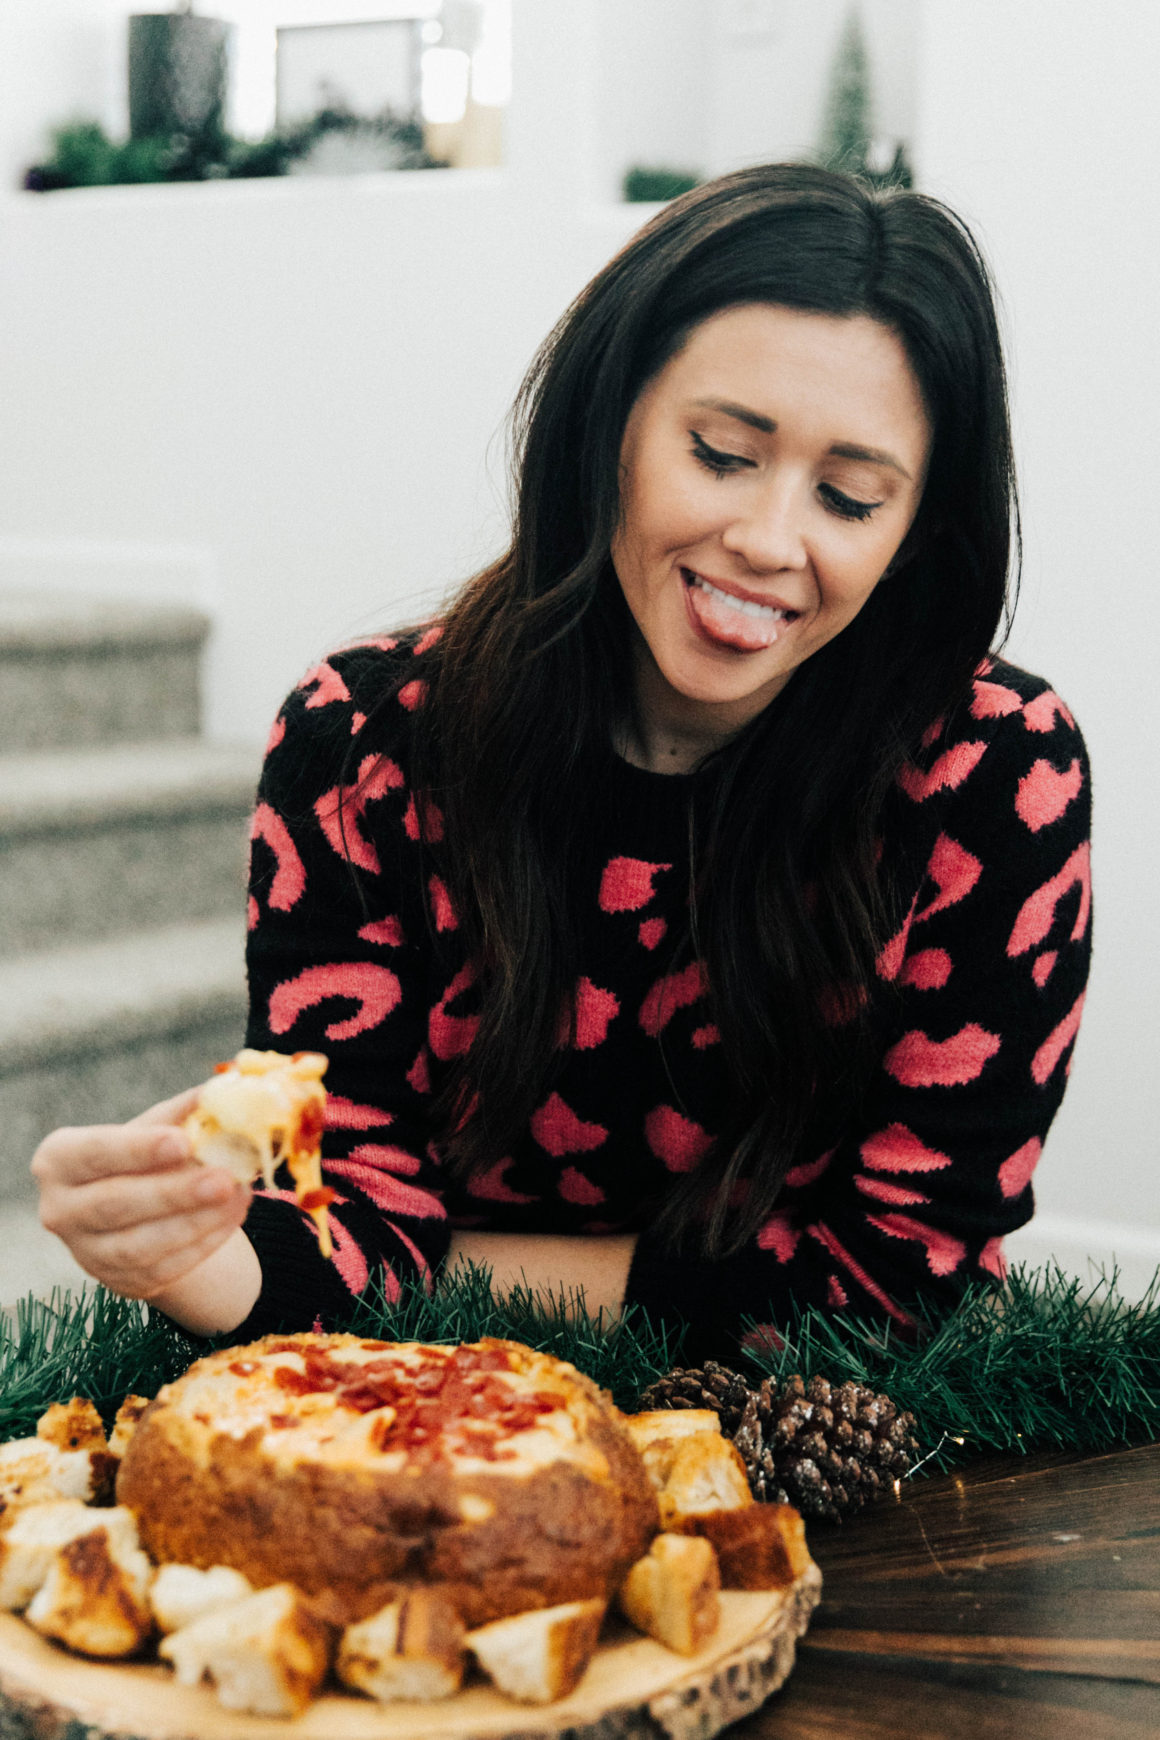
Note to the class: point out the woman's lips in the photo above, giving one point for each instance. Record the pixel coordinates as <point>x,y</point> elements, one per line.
<point>728,619</point>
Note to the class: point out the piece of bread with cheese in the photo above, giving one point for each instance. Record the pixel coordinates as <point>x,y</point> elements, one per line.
<point>180,1594</point>
<point>538,1657</point>
<point>413,1648</point>
<point>259,1110</point>
<point>267,1654</point>
<point>762,1546</point>
<point>95,1596</point>
<point>672,1594</point>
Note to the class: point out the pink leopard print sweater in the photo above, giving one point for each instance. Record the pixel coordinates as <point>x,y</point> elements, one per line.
<point>981,992</point>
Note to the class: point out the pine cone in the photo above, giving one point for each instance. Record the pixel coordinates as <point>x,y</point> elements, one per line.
<point>707,1386</point>
<point>826,1450</point>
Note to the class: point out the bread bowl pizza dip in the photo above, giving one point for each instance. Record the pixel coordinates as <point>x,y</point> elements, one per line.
<point>351,1467</point>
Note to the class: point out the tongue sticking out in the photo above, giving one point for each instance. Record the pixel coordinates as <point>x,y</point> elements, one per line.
<point>725,623</point>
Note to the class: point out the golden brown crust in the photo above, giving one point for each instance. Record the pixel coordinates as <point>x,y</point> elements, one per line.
<point>494,1542</point>
<point>94,1598</point>
<point>672,1593</point>
<point>74,1425</point>
<point>761,1547</point>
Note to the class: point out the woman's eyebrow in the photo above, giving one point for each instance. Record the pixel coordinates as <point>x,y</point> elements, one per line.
<point>874,455</point>
<point>767,426</point>
<point>754,419</point>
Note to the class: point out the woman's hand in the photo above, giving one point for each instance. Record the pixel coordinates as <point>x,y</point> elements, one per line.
<point>135,1209</point>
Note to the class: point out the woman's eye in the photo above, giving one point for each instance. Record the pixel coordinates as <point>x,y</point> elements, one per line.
<point>847,506</point>
<point>721,464</point>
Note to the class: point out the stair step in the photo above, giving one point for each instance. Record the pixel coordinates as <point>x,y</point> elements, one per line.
<point>83,670</point>
<point>96,1032</point>
<point>102,840</point>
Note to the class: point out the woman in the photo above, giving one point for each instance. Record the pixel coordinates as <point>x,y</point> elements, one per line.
<point>696,914</point>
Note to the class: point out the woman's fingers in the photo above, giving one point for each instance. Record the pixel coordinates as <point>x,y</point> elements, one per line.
<point>143,1260</point>
<point>172,1111</point>
<point>122,1200</point>
<point>131,1203</point>
<point>77,1156</point>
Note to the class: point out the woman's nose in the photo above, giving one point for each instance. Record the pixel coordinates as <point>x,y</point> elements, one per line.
<point>768,533</point>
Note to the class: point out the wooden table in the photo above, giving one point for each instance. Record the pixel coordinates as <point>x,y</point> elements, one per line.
<point>1020,1597</point>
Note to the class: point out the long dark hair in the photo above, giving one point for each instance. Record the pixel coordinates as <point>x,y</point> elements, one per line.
<point>532,676</point>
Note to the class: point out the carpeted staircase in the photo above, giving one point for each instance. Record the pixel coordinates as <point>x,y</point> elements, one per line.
<point>122,859</point>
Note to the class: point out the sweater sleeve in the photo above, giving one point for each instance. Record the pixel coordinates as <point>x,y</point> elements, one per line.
<point>983,986</point>
<point>337,963</point>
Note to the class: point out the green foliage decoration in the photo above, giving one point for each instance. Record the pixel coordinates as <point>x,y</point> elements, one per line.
<point>83,155</point>
<point>643,184</point>
<point>847,132</point>
<point>845,142</point>
<point>1047,1362</point>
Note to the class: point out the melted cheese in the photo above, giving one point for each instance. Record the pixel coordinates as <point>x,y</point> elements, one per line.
<point>239,1393</point>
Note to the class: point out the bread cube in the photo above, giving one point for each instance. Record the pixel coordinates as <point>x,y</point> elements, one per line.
<point>658,1436</point>
<point>181,1593</point>
<point>95,1597</point>
<point>762,1546</point>
<point>540,1656</point>
<point>267,1654</point>
<point>32,1538</point>
<point>33,1471</point>
<point>124,1424</point>
<point>74,1425</point>
<point>672,1594</point>
<point>706,1473</point>
<point>413,1648</point>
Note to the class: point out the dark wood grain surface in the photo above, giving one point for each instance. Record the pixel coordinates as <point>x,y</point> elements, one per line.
<point>1019,1597</point>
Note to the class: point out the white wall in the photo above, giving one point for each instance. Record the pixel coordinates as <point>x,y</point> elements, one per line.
<point>710,85</point>
<point>1041,123</point>
<point>307,384</point>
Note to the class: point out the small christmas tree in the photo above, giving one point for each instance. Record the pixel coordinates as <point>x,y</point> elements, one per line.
<point>845,142</point>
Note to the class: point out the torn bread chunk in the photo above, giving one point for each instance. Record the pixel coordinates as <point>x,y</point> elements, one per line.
<point>672,1594</point>
<point>413,1648</point>
<point>34,1535</point>
<point>760,1547</point>
<point>33,1471</point>
<point>267,1654</point>
<point>181,1593</point>
<point>125,1424</point>
<point>95,1597</point>
<point>659,1436</point>
<point>259,1110</point>
<point>74,1425</point>
<point>669,1425</point>
<point>539,1656</point>
<point>706,1473</point>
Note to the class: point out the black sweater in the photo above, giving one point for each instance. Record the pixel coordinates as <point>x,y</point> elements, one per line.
<point>980,991</point>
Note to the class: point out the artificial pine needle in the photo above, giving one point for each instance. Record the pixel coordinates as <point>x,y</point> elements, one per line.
<point>1047,1362</point>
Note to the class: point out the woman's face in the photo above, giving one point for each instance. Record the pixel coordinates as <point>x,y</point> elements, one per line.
<point>769,473</point>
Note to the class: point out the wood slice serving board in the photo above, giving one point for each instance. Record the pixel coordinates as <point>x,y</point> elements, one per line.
<point>633,1688</point>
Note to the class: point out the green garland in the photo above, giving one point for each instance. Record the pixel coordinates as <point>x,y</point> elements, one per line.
<point>1048,1363</point>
